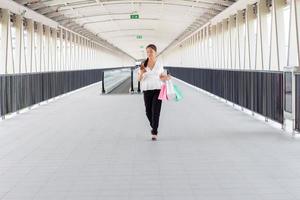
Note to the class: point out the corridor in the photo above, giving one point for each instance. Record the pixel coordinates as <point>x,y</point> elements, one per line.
<point>91,146</point>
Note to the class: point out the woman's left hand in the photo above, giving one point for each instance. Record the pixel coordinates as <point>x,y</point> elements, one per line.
<point>164,77</point>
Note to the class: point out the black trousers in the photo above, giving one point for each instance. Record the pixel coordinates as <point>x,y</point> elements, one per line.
<point>153,107</point>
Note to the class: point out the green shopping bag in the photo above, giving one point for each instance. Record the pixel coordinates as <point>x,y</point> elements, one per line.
<point>178,93</point>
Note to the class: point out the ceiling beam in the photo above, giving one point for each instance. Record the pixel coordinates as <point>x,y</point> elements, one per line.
<point>27,13</point>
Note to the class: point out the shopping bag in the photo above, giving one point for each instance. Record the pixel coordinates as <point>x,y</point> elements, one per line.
<point>170,90</point>
<point>163,93</point>
<point>178,93</point>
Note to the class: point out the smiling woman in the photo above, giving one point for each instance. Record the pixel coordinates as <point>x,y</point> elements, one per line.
<point>90,146</point>
<point>151,74</point>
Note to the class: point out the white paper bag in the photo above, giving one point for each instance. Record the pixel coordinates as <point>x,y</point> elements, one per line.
<point>170,90</point>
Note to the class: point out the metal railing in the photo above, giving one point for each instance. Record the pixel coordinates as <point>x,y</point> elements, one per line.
<point>259,91</point>
<point>18,91</point>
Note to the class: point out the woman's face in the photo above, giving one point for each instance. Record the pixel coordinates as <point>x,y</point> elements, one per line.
<point>151,53</point>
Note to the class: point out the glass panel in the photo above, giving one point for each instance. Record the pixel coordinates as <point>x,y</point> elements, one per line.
<point>117,81</point>
<point>288,92</point>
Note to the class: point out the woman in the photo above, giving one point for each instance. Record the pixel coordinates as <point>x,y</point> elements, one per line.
<point>151,74</point>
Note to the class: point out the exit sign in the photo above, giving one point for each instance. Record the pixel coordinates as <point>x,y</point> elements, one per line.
<point>134,16</point>
<point>139,37</point>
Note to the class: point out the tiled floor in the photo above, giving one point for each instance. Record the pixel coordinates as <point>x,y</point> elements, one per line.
<point>87,146</point>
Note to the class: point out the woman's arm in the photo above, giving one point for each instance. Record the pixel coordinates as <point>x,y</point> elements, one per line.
<point>140,75</point>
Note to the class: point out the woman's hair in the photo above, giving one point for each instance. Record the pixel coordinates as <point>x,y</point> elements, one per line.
<point>151,46</point>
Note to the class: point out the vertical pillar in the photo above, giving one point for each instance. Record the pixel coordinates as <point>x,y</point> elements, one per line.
<point>47,49</point>
<point>250,21</point>
<point>19,44</point>
<point>294,36</point>
<point>5,21</point>
<point>39,47</point>
<point>30,45</point>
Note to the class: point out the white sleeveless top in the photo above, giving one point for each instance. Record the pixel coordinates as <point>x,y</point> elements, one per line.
<point>150,79</point>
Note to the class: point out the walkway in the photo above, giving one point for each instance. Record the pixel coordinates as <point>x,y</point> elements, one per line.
<point>89,146</point>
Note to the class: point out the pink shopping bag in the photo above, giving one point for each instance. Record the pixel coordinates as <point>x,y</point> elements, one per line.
<point>163,93</point>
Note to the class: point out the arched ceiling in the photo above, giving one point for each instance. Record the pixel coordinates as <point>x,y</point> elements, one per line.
<point>160,21</point>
